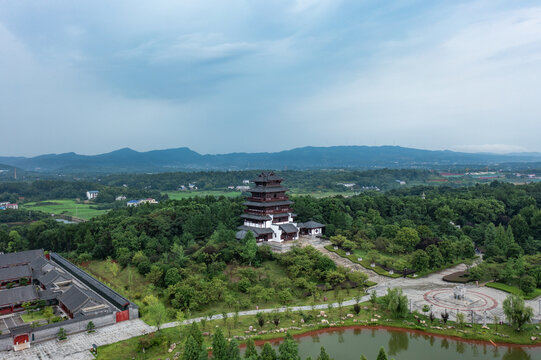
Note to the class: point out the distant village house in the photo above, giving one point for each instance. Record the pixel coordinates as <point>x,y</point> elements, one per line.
<point>92,194</point>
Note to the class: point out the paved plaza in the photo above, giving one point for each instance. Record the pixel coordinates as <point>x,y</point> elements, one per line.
<point>77,346</point>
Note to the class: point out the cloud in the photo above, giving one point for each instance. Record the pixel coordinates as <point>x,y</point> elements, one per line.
<point>463,86</point>
<point>204,74</point>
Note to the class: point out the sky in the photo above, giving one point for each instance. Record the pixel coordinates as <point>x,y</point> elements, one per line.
<point>251,76</point>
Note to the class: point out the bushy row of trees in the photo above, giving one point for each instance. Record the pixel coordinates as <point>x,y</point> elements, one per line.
<point>222,349</point>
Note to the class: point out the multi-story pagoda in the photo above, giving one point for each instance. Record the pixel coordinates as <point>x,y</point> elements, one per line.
<point>268,213</point>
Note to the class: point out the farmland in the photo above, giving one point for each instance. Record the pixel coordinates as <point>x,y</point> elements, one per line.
<point>64,207</point>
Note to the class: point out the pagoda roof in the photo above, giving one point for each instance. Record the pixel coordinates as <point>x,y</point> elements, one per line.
<point>310,225</point>
<point>280,215</point>
<point>256,217</point>
<point>266,177</point>
<point>268,203</point>
<point>255,230</point>
<point>267,189</point>
<point>288,228</point>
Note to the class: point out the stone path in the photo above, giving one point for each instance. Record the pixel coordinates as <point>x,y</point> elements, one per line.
<point>341,261</point>
<point>77,346</point>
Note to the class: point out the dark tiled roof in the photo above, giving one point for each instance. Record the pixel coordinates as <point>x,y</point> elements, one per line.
<point>74,299</point>
<point>256,217</point>
<point>103,290</point>
<point>280,215</point>
<point>22,257</point>
<point>18,295</point>
<point>267,189</point>
<point>15,272</point>
<point>310,225</point>
<point>268,204</point>
<point>288,228</point>
<point>267,176</point>
<point>53,276</point>
<point>38,263</point>
<point>255,230</point>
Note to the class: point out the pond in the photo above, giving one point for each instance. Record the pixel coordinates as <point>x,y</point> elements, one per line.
<point>349,344</point>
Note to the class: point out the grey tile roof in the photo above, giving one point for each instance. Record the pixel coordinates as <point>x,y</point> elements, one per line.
<point>52,277</point>
<point>256,217</point>
<point>255,230</point>
<point>267,176</point>
<point>22,257</point>
<point>310,225</point>
<point>15,272</point>
<point>74,299</point>
<point>267,189</point>
<point>38,263</point>
<point>288,228</point>
<point>280,215</point>
<point>18,295</point>
<point>113,297</point>
<point>268,204</point>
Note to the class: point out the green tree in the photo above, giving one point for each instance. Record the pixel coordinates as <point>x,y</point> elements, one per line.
<point>323,355</point>
<point>527,284</point>
<point>396,302</point>
<point>407,238</point>
<point>249,249</point>
<point>90,327</point>
<point>268,352</point>
<point>516,311</point>
<point>194,332</point>
<point>382,355</point>
<point>338,240</point>
<point>250,349</point>
<point>420,260</point>
<point>233,350</point>
<point>157,313</point>
<point>61,334</point>
<point>203,354</point>
<point>48,313</point>
<point>219,346</point>
<point>289,349</point>
<point>191,349</point>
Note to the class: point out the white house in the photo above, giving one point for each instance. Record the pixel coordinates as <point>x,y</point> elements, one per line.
<point>92,194</point>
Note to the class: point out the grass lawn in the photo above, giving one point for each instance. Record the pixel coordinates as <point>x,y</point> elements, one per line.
<point>130,349</point>
<point>31,316</point>
<point>514,290</point>
<point>64,207</point>
<point>129,283</point>
<point>365,262</point>
<point>179,195</point>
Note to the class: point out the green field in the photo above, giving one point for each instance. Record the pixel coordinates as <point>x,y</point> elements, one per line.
<point>179,195</point>
<point>64,207</point>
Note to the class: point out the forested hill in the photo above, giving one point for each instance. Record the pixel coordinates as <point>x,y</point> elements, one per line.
<point>361,157</point>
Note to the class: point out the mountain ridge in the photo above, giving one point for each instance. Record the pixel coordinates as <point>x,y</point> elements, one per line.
<point>309,157</point>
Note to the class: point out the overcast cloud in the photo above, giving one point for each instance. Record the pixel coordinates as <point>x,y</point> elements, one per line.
<point>224,76</point>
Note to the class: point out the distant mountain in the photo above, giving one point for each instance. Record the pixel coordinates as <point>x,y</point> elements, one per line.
<point>185,159</point>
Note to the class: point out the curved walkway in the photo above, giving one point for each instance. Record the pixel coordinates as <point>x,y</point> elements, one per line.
<point>341,261</point>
